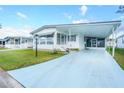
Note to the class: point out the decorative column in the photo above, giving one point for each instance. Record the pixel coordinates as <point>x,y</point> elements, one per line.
<point>55,40</point>
<point>2,43</point>
<point>69,38</point>
<point>21,42</point>
<point>66,40</point>
<point>113,37</point>
<point>14,41</point>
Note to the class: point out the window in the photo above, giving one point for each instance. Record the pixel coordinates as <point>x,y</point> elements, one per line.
<point>24,40</point>
<point>30,40</point>
<point>46,39</point>
<point>17,41</point>
<point>61,38</point>
<point>3,42</point>
<point>58,38</point>
<point>11,41</point>
<point>49,41</point>
<point>42,41</point>
<point>7,41</point>
<point>72,38</point>
<point>100,42</point>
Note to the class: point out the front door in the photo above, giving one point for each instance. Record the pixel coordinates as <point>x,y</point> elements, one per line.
<point>88,42</point>
<point>94,42</point>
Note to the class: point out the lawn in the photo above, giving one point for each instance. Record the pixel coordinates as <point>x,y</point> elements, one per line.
<point>15,59</point>
<point>3,48</point>
<point>119,56</point>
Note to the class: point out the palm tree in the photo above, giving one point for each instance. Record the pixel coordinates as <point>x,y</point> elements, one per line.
<point>120,9</point>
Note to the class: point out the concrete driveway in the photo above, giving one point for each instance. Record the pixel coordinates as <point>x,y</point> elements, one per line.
<point>87,68</point>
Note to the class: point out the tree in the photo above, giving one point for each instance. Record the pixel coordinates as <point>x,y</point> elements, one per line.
<point>120,9</point>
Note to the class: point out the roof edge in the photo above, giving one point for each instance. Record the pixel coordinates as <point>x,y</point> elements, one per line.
<point>54,26</point>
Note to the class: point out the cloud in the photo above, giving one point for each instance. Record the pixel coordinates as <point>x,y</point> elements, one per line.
<point>121,28</point>
<point>80,21</point>
<point>68,16</point>
<point>119,18</point>
<point>9,31</point>
<point>21,15</point>
<point>118,34</point>
<point>119,31</point>
<point>83,9</point>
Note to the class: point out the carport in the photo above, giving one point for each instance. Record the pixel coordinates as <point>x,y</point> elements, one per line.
<point>79,35</point>
<point>90,30</point>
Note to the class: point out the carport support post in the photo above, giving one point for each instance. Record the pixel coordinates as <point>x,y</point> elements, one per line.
<point>113,48</point>
<point>106,43</point>
<point>69,38</point>
<point>55,40</point>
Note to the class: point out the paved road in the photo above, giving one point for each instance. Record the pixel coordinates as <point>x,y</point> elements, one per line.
<point>6,81</point>
<point>88,68</point>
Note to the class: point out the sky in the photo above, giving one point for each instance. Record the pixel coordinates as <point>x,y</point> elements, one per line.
<point>30,17</point>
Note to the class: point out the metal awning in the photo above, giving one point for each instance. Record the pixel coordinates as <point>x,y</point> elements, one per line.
<point>93,29</point>
<point>46,32</point>
<point>99,29</point>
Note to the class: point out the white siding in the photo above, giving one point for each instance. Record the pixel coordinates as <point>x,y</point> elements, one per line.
<point>27,43</point>
<point>120,42</point>
<point>22,46</point>
<point>62,47</point>
<point>81,41</point>
<point>44,46</point>
<point>73,44</point>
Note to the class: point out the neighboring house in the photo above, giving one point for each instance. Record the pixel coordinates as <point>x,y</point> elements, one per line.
<point>111,42</point>
<point>2,42</point>
<point>120,41</point>
<point>82,35</point>
<point>18,42</point>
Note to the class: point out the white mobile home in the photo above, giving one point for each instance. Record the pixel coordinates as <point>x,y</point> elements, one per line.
<point>120,41</point>
<point>2,42</point>
<point>18,42</point>
<point>82,35</point>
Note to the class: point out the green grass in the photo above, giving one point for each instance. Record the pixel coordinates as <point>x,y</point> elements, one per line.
<point>119,56</point>
<point>3,48</point>
<point>15,59</point>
